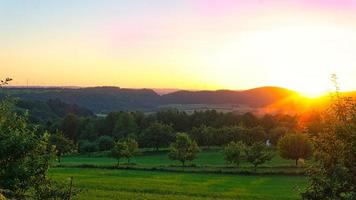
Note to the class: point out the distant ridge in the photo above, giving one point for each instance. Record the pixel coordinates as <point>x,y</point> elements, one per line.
<point>106,99</point>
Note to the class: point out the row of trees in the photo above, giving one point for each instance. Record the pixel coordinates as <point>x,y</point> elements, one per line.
<point>207,127</point>
<point>183,149</point>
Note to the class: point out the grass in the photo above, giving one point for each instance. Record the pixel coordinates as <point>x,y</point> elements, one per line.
<point>207,158</point>
<point>148,185</point>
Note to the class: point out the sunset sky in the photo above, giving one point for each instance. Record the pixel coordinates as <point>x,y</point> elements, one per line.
<point>187,44</point>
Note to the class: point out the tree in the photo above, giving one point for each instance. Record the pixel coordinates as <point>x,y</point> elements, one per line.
<point>157,135</point>
<point>119,151</point>
<point>132,148</point>
<point>255,135</point>
<point>62,144</point>
<point>233,152</point>
<point>276,133</point>
<point>333,175</point>
<point>183,149</point>
<point>25,156</point>
<point>295,146</point>
<point>203,135</point>
<point>70,127</point>
<point>86,146</point>
<point>125,125</point>
<point>105,142</point>
<point>257,154</point>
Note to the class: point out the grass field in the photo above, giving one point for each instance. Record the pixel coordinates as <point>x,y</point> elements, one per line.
<point>135,184</point>
<point>212,157</point>
<point>154,176</point>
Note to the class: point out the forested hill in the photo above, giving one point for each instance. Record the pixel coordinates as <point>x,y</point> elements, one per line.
<point>257,97</point>
<point>107,99</point>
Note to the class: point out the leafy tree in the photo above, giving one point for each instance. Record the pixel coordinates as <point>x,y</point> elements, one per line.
<point>25,156</point>
<point>295,146</point>
<point>257,154</point>
<point>70,127</point>
<point>125,125</point>
<point>87,129</point>
<point>86,146</point>
<point>132,148</point>
<point>276,133</point>
<point>157,135</point>
<point>119,151</point>
<point>255,135</point>
<point>62,144</point>
<point>333,175</point>
<point>183,149</point>
<point>203,135</point>
<point>105,143</point>
<point>233,152</point>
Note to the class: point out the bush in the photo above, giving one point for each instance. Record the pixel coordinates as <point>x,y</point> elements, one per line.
<point>86,146</point>
<point>105,143</point>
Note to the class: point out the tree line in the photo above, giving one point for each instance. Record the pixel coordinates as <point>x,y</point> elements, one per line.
<point>158,130</point>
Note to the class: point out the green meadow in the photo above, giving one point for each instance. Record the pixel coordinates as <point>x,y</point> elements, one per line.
<point>135,184</point>
<point>153,176</point>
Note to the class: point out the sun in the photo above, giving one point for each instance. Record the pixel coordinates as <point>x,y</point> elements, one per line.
<point>312,90</point>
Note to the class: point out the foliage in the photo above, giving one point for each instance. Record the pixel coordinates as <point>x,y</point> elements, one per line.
<point>258,153</point>
<point>119,151</point>
<point>157,135</point>
<point>25,156</point>
<point>276,133</point>
<point>62,144</point>
<point>233,152</point>
<point>105,143</point>
<point>183,149</point>
<point>132,148</point>
<point>295,146</point>
<point>86,146</point>
<point>70,127</point>
<point>124,126</point>
<point>334,174</point>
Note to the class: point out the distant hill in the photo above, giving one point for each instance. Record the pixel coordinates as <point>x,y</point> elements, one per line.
<point>257,97</point>
<point>107,99</point>
<point>97,99</point>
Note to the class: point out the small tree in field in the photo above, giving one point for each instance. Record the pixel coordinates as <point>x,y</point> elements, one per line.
<point>183,149</point>
<point>132,148</point>
<point>257,154</point>
<point>233,152</point>
<point>63,145</point>
<point>119,151</point>
<point>294,146</point>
